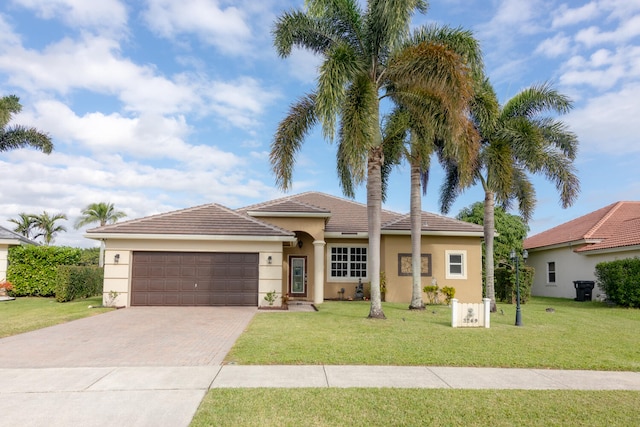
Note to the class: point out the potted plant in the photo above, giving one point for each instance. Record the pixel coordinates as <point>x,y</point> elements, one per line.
<point>5,287</point>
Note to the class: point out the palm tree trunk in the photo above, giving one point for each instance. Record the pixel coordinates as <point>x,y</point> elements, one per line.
<point>416,234</point>
<point>489,231</point>
<point>374,213</point>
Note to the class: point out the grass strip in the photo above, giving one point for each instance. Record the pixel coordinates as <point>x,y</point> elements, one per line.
<point>409,407</point>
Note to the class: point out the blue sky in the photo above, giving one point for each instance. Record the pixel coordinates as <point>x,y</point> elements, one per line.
<point>158,105</point>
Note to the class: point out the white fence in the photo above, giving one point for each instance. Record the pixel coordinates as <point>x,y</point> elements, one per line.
<point>471,315</point>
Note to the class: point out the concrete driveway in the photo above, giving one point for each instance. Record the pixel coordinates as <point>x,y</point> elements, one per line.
<point>135,336</point>
<point>140,366</point>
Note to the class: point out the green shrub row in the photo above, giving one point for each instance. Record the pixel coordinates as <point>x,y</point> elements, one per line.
<point>505,284</point>
<point>620,280</point>
<point>33,269</point>
<point>78,282</point>
<point>46,271</point>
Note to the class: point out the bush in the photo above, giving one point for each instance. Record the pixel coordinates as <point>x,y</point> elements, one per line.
<point>78,282</point>
<point>33,269</point>
<point>620,280</point>
<point>89,256</point>
<point>505,284</point>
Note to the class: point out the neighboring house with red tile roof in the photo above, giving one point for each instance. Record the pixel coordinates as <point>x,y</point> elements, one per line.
<point>570,251</point>
<point>310,246</point>
<point>9,238</point>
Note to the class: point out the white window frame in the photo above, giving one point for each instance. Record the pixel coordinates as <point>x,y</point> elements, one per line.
<point>555,273</point>
<point>347,278</point>
<point>456,276</point>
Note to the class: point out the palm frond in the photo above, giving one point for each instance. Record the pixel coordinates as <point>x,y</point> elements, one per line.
<point>20,137</point>
<point>536,99</point>
<point>289,137</point>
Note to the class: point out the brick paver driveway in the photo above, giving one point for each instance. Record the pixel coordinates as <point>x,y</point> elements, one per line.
<point>135,336</point>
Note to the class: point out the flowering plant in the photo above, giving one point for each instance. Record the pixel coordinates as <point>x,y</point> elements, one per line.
<point>6,285</point>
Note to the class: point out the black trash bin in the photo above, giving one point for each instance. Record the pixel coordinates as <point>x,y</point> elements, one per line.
<point>584,289</point>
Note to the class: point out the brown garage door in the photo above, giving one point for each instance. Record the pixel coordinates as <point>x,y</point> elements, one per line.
<point>193,278</point>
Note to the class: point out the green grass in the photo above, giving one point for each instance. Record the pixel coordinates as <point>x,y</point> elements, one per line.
<point>407,407</point>
<point>586,335</point>
<point>30,313</point>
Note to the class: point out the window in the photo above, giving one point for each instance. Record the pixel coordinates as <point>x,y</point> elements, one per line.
<point>551,272</point>
<point>348,262</point>
<point>456,264</point>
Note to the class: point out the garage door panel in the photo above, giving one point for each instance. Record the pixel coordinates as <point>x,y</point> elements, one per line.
<point>162,278</point>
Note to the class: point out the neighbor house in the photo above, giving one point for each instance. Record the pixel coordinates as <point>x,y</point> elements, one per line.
<point>312,246</point>
<point>7,239</point>
<point>570,251</point>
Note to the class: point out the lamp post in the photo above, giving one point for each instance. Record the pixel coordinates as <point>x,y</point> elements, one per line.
<point>515,258</point>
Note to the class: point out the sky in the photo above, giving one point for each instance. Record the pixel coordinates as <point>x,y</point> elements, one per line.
<point>158,105</point>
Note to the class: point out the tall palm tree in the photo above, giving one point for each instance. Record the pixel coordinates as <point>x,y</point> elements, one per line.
<point>102,213</point>
<point>12,137</point>
<point>47,227</point>
<point>364,61</point>
<point>518,139</point>
<point>449,133</point>
<point>25,224</point>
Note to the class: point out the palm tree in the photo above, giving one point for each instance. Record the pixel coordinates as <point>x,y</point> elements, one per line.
<point>364,61</point>
<point>518,139</point>
<point>450,134</point>
<point>19,136</point>
<point>25,224</point>
<point>102,213</point>
<point>46,224</point>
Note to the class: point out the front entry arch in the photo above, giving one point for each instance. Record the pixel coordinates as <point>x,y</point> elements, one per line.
<point>298,276</point>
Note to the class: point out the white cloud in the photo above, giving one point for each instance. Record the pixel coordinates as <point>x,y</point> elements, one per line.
<point>102,14</point>
<point>223,27</point>
<point>303,65</point>
<point>603,69</point>
<point>566,16</point>
<point>607,123</point>
<point>593,35</point>
<point>93,63</point>
<point>554,47</point>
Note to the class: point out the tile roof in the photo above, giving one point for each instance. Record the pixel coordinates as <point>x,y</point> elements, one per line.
<point>208,220</point>
<point>433,222</point>
<point>6,234</point>
<point>348,216</point>
<point>614,226</point>
<point>342,216</point>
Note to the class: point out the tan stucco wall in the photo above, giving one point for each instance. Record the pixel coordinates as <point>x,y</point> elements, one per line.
<point>399,287</point>
<point>570,266</point>
<point>117,277</point>
<point>4,253</point>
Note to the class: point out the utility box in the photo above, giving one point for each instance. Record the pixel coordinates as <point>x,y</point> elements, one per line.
<point>584,289</point>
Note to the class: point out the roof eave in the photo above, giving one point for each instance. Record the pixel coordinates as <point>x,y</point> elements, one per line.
<point>568,244</point>
<point>262,214</point>
<point>201,237</point>
<point>447,233</point>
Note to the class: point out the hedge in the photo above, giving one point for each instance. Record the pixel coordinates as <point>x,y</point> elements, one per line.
<point>620,280</point>
<point>33,270</point>
<point>505,284</point>
<point>76,281</point>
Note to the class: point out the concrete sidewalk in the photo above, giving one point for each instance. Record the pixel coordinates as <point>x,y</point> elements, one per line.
<point>169,396</point>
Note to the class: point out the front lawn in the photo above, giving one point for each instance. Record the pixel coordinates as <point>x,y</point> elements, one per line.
<point>30,313</point>
<point>415,407</point>
<point>587,335</point>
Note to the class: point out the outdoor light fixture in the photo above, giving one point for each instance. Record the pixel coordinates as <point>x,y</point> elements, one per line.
<point>300,244</point>
<point>116,258</point>
<point>515,258</point>
<point>269,259</point>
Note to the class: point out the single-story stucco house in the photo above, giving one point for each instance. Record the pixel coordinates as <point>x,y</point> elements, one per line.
<point>570,251</point>
<point>310,246</point>
<point>9,238</point>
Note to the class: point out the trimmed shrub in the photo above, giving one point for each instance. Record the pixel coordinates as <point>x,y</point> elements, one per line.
<point>75,281</point>
<point>33,269</point>
<point>505,284</point>
<point>89,256</point>
<point>620,280</point>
